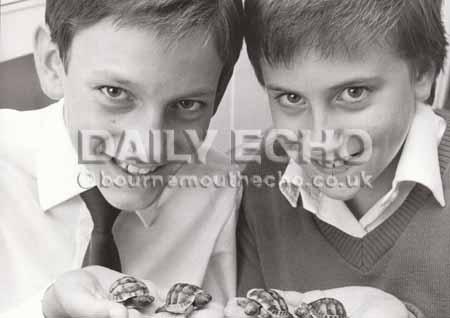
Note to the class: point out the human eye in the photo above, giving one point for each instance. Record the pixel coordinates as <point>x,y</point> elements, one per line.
<point>188,105</point>
<point>115,94</point>
<point>353,95</point>
<point>291,100</point>
<point>188,109</point>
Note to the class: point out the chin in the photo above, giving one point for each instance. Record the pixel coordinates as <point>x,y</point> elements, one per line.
<point>129,199</point>
<point>341,194</point>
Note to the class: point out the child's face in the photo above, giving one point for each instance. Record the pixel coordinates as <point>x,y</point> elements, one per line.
<point>375,93</point>
<point>127,78</point>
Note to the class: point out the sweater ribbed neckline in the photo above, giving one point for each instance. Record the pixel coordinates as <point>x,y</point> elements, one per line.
<point>364,253</point>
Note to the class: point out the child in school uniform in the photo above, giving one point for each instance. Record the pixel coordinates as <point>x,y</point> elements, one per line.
<point>117,67</point>
<point>351,65</point>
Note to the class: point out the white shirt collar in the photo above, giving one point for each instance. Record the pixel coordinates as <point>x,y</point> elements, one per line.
<point>57,167</point>
<point>420,150</point>
<point>149,215</point>
<point>58,170</point>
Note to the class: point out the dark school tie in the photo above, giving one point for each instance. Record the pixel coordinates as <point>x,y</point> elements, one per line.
<point>102,249</point>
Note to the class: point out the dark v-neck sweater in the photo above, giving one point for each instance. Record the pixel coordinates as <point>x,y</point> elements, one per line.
<point>290,249</point>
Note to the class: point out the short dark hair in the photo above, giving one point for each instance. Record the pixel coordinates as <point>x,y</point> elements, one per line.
<point>278,30</point>
<point>222,19</point>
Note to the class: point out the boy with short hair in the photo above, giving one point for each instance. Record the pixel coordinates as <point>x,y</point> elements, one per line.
<point>117,66</point>
<point>345,65</point>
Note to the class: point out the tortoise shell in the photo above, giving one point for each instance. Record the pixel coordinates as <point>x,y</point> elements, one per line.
<point>183,299</point>
<point>322,308</point>
<point>131,292</point>
<point>271,303</point>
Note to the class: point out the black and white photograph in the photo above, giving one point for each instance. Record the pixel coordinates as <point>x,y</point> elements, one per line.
<point>224,159</point>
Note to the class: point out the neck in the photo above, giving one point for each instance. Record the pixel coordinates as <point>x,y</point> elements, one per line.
<point>367,197</point>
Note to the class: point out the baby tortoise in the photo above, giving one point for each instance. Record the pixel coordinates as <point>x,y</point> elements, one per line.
<point>183,299</point>
<point>322,308</point>
<point>131,292</point>
<point>263,303</point>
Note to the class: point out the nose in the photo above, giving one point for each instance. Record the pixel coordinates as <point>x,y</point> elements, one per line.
<point>141,133</point>
<point>325,137</point>
<point>153,123</point>
<point>319,121</point>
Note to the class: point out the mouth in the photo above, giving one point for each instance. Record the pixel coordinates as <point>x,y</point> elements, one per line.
<point>336,166</point>
<point>134,169</point>
<point>330,167</point>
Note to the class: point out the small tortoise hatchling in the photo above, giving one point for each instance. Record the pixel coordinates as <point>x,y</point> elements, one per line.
<point>265,304</point>
<point>322,308</point>
<point>131,292</point>
<point>183,299</point>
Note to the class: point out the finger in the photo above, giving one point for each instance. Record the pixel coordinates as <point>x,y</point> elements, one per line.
<point>103,275</point>
<point>117,311</point>
<point>100,309</point>
<point>133,313</point>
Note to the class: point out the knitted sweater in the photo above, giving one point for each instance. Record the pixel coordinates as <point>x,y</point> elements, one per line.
<point>290,249</point>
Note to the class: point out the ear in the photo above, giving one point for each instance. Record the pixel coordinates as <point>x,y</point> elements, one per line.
<point>49,66</point>
<point>424,80</point>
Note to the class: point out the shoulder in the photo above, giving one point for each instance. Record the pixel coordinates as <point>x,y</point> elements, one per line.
<point>20,134</point>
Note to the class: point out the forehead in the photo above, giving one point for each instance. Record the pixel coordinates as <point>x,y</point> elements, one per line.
<point>312,67</point>
<point>140,53</point>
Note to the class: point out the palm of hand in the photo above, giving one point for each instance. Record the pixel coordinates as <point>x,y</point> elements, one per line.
<point>359,302</point>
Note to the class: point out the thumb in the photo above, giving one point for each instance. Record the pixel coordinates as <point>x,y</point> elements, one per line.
<point>90,307</point>
<point>108,309</point>
<point>116,310</point>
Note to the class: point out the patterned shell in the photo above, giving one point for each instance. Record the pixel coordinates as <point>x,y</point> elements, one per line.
<point>272,302</point>
<point>126,288</point>
<point>183,299</point>
<point>180,308</point>
<point>322,308</point>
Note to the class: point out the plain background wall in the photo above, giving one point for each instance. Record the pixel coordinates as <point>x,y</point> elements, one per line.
<point>244,106</point>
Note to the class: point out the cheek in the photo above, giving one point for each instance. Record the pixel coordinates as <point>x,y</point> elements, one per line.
<point>389,135</point>
<point>188,136</point>
<point>281,120</point>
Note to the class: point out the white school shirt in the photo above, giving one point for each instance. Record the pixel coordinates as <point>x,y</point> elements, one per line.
<point>187,235</point>
<point>419,163</point>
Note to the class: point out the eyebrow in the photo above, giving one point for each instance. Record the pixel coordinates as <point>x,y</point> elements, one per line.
<point>194,93</point>
<point>114,77</point>
<point>372,80</point>
<point>199,92</point>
